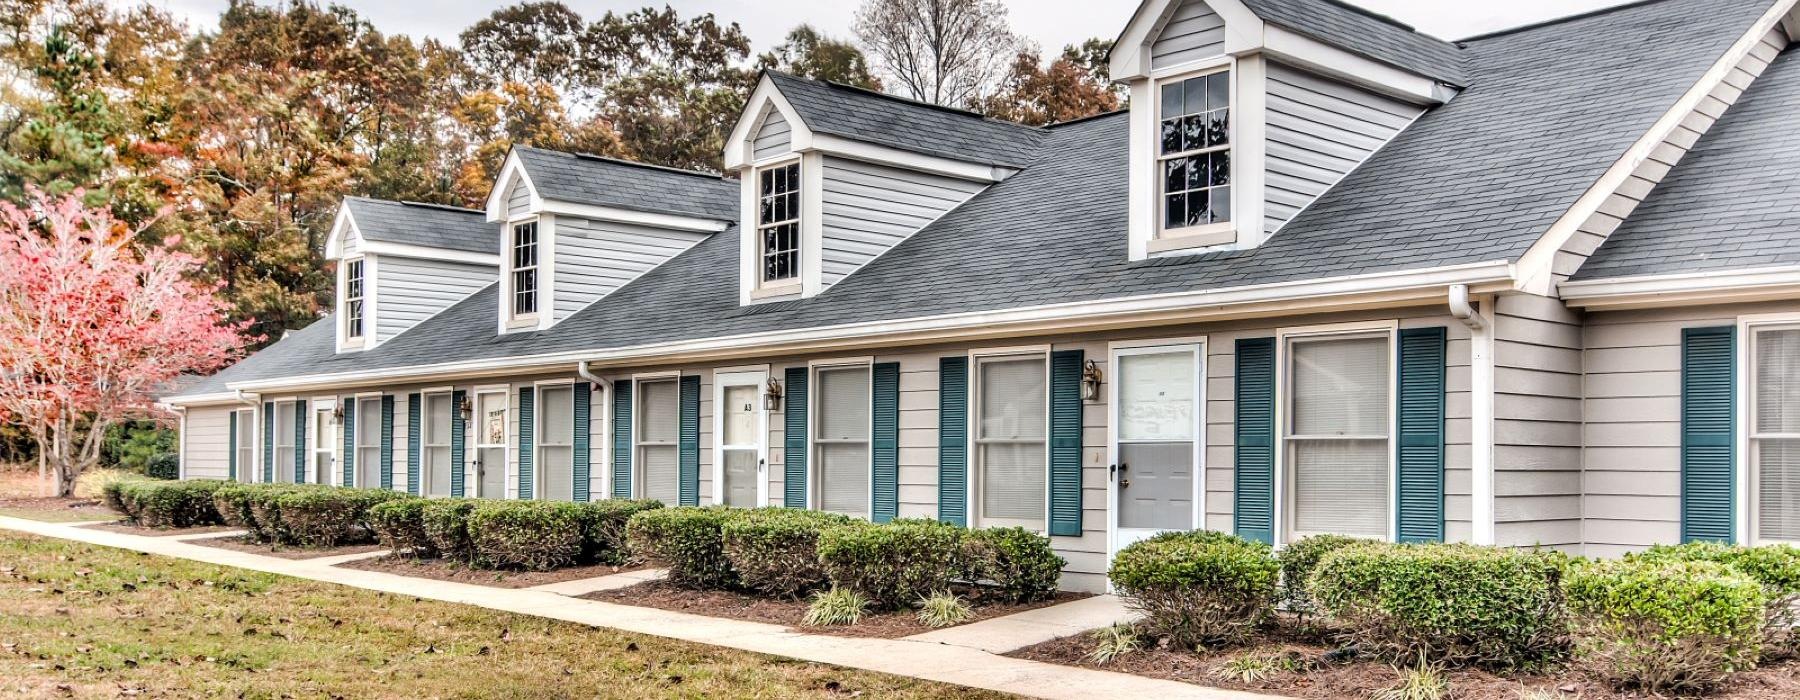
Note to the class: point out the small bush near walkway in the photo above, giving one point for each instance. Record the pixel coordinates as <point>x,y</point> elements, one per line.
<point>446,525</point>
<point>893,564</point>
<point>399,525</point>
<point>604,525</point>
<point>162,504</point>
<point>1019,562</point>
<point>776,550</point>
<point>1666,625</point>
<point>1197,588</point>
<point>530,535</point>
<point>1298,559</point>
<point>1775,566</point>
<point>688,541</point>
<point>328,516</point>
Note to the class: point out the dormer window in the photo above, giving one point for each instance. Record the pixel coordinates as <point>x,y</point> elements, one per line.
<point>353,300</point>
<point>778,224</point>
<point>524,259</point>
<point>1194,154</point>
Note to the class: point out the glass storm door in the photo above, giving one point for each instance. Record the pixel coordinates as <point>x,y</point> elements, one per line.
<point>740,472</point>
<point>1156,413</point>
<point>490,444</point>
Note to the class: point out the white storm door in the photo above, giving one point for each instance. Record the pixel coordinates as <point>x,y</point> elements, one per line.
<point>739,465</point>
<point>1157,442</point>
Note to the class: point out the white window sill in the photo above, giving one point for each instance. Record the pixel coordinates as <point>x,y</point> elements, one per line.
<point>522,322</point>
<point>776,290</point>
<point>1194,237</point>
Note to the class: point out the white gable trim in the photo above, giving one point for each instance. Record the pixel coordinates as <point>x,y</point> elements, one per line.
<point>1325,59</point>
<point>1683,289</point>
<point>343,224</point>
<point>766,97</point>
<point>425,252</point>
<point>511,170</point>
<point>1131,53</point>
<point>629,216</point>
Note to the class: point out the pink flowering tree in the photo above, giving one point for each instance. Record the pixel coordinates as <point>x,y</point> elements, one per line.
<point>93,326</point>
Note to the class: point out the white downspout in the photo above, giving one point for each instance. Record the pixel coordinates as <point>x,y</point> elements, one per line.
<point>606,388</point>
<point>1481,410</point>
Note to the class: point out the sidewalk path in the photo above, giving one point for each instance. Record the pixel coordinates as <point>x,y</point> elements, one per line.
<point>929,660</point>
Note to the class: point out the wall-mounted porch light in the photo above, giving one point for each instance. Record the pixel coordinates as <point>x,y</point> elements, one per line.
<point>337,413</point>
<point>1090,381</point>
<point>466,409</point>
<point>772,396</point>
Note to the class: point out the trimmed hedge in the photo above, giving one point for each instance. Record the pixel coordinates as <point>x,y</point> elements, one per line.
<point>1199,587</point>
<point>399,525</point>
<point>603,529</point>
<point>328,516</point>
<point>1447,604</point>
<point>1017,561</point>
<point>163,504</point>
<point>232,502</point>
<point>163,465</point>
<point>1298,559</point>
<point>1776,567</point>
<point>446,525</point>
<point>1666,625</point>
<point>895,564</point>
<point>531,535</point>
<point>687,540</point>
<point>776,550</point>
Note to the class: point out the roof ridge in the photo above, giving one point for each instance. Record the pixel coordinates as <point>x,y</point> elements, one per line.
<point>1553,21</point>
<point>903,100</point>
<point>1088,118</point>
<point>434,205</point>
<point>580,155</point>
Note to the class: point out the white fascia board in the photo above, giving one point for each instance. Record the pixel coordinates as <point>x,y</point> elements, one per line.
<point>1320,57</point>
<point>1681,289</point>
<point>737,146</point>
<point>1381,289</point>
<point>424,252</point>
<point>629,216</point>
<point>215,399</point>
<point>1131,53</point>
<point>509,170</point>
<point>1537,265</point>
<point>859,150</point>
<point>341,225</point>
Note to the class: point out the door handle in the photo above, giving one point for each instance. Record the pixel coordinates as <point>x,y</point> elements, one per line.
<point>1124,483</point>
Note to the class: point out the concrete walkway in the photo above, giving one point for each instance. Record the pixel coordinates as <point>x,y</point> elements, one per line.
<point>1017,631</point>
<point>944,662</point>
<point>610,582</point>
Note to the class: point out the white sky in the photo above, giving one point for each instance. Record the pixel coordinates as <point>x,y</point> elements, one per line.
<point>1051,23</point>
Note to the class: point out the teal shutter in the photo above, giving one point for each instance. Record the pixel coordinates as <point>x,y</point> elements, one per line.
<point>1253,514</point>
<point>1065,442</point>
<point>953,440</point>
<point>413,433</point>
<point>268,465</point>
<point>527,442</point>
<point>885,413</point>
<point>688,449</point>
<point>621,466</point>
<point>300,442</point>
<point>1420,425</point>
<point>457,448</point>
<point>583,432</point>
<point>1708,430</point>
<point>349,452</point>
<point>793,440</point>
<point>231,442</point>
<point>387,442</point>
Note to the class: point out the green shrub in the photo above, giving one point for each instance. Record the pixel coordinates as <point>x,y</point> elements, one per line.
<point>111,495</point>
<point>171,503</point>
<point>531,535</point>
<point>446,523</point>
<point>163,465</point>
<point>232,501</point>
<point>688,541</point>
<point>1447,603</point>
<point>265,511</point>
<point>1298,559</point>
<point>776,550</point>
<point>400,526</point>
<point>1197,587</point>
<point>1018,561</point>
<point>603,529</point>
<point>1666,625</point>
<point>328,516</point>
<point>1776,567</point>
<point>838,606</point>
<point>893,564</point>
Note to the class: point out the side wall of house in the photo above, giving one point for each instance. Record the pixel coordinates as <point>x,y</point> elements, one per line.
<point>1192,33</point>
<point>1320,129</point>
<point>774,138</point>
<point>1537,423</point>
<point>410,290</point>
<point>206,444</point>
<point>868,208</point>
<point>593,258</point>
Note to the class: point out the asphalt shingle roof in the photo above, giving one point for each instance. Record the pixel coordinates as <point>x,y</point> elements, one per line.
<point>1732,202</point>
<point>862,115</point>
<point>433,225</point>
<point>1371,36</point>
<point>608,182</point>
<point>1476,180</point>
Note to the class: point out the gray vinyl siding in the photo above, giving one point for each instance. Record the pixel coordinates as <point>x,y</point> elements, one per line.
<point>593,258</point>
<point>518,201</point>
<point>1319,130</point>
<point>352,243</point>
<point>1193,33</point>
<point>773,139</point>
<point>1537,422</point>
<point>207,450</point>
<point>410,290</point>
<point>868,208</point>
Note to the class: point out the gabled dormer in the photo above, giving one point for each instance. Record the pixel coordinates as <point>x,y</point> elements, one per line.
<point>573,228</point>
<point>1243,112</point>
<point>398,263</point>
<point>832,176</point>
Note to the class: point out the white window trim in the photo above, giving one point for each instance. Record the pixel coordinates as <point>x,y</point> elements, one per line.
<point>1204,235</point>
<point>363,319</point>
<point>282,428</point>
<point>246,443</point>
<point>637,427</point>
<point>472,437</point>
<point>1390,329</point>
<point>798,280</point>
<point>510,319</point>
<point>426,436</point>
<point>974,431</point>
<point>1117,349</point>
<point>1248,127</point>
<point>537,418</point>
<point>740,376</point>
<point>815,474</point>
<point>327,405</point>
<point>1745,497</point>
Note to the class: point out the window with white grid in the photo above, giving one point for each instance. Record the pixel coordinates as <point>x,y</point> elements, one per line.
<point>778,222</point>
<point>1775,433</point>
<point>1194,151</point>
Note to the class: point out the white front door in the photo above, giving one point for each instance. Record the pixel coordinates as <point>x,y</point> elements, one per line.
<point>1157,446</point>
<point>739,461</point>
<point>490,444</point>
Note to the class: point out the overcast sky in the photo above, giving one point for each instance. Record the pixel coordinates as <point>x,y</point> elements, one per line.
<point>1051,23</point>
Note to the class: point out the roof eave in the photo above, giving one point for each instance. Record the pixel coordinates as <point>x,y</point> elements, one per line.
<point>1682,288</point>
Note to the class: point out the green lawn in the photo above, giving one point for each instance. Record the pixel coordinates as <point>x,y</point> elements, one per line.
<point>85,621</point>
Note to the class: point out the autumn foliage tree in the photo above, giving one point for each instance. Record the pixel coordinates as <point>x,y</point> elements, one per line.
<point>93,325</point>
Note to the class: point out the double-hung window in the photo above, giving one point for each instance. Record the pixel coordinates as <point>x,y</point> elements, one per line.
<point>1775,433</point>
<point>778,224</point>
<point>658,439</point>
<point>1193,152</point>
<point>556,442</point>
<point>368,442</point>
<point>435,433</point>
<point>524,269</point>
<point>841,439</point>
<point>353,300</point>
<point>1012,423</point>
<point>284,441</point>
<point>1337,434</point>
<point>245,419</point>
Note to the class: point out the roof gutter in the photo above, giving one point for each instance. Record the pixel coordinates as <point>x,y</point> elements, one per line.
<point>1683,289</point>
<point>1374,290</point>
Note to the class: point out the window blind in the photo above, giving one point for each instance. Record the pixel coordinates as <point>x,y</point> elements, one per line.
<point>1012,425</point>
<point>1777,439</point>
<point>843,440</point>
<point>1340,485</point>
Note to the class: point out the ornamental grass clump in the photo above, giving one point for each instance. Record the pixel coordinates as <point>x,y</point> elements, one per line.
<point>1197,588</point>
<point>944,609</point>
<point>1666,625</point>
<point>776,550</point>
<point>835,607</point>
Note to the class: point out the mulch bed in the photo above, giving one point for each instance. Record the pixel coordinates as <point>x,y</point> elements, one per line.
<point>1330,680</point>
<point>71,506</point>
<point>245,544</point>
<point>131,529</point>
<point>743,606</point>
<point>447,570</point>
